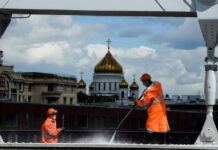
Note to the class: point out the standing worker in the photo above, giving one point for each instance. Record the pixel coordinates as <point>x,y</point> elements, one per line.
<point>49,130</point>
<point>153,99</point>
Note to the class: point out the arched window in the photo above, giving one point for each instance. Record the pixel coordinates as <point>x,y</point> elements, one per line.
<point>2,81</point>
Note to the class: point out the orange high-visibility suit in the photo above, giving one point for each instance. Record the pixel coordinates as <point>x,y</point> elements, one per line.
<point>49,131</point>
<point>154,100</point>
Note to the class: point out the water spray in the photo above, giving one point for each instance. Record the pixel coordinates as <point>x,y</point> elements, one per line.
<point>112,138</point>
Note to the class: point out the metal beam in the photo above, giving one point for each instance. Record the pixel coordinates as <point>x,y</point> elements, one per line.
<point>5,20</point>
<point>175,8</point>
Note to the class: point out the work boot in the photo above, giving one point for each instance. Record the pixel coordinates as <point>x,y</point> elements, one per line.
<point>156,138</point>
<point>152,138</point>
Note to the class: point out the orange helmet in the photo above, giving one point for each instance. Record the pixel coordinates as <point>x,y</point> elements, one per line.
<point>52,111</point>
<point>145,76</point>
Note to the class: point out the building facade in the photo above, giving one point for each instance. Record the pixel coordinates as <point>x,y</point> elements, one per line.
<point>35,87</point>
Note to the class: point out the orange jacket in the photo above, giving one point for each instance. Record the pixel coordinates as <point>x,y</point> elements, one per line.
<point>154,100</point>
<point>49,131</point>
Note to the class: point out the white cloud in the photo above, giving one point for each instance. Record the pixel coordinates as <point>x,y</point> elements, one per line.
<point>99,50</point>
<point>47,53</point>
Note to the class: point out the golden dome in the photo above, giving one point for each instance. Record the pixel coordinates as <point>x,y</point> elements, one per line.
<point>123,84</point>
<point>91,86</point>
<point>108,64</point>
<point>134,86</point>
<point>82,84</point>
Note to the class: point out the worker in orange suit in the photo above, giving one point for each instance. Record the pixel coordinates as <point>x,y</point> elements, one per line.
<point>153,99</point>
<point>49,130</point>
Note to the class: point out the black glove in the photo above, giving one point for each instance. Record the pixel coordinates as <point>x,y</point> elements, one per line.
<point>135,104</point>
<point>62,129</point>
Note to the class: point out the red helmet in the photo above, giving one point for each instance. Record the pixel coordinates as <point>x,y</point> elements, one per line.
<point>52,111</point>
<point>145,76</point>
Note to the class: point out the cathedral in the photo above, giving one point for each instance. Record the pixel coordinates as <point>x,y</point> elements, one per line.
<point>109,80</point>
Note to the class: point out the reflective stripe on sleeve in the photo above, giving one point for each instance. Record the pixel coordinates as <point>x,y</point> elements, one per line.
<point>144,102</point>
<point>159,98</point>
<point>158,102</point>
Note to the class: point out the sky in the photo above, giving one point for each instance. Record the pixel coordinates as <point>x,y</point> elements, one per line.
<point>171,50</point>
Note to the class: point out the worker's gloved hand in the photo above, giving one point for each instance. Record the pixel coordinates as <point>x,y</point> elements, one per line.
<point>62,129</point>
<point>135,104</point>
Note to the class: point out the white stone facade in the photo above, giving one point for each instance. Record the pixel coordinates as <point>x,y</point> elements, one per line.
<point>83,90</point>
<point>107,84</point>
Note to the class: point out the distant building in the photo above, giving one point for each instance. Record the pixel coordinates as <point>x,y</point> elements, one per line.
<point>35,87</point>
<point>187,98</point>
<point>175,97</point>
<point>109,80</point>
<point>191,98</point>
<point>81,86</point>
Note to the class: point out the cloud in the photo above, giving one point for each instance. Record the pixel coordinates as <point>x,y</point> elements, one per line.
<point>48,53</point>
<point>55,28</point>
<point>99,50</point>
<point>185,36</point>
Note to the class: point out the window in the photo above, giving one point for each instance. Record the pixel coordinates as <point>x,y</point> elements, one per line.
<point>2,81</point>
<point>19,98</point>
<point>109,86</point>
<point>65,100</point>
<point>24,98</point>
<point>99,86</point>
<point>29,87</point>
<point>50,87</point>
<point>83,122</point>
<point>65,88</point>
<point>29,99</point>
<point>72,89</point>
<point>71,101</point>
<point>13,97</point>
<point>20,86</point>
<point>122,94</point>
<point>113,122</point>
<point>14,85</point>
<point>104,86</point>
<point>115,86</point>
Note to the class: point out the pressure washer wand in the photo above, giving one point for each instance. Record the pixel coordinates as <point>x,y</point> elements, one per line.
<point>112,138</point>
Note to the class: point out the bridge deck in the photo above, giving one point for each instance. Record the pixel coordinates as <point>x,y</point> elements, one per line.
<point>81,146</point>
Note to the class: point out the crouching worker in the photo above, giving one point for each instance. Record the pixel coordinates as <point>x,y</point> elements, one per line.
<point>157,123</point>
<point>49,130</point>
